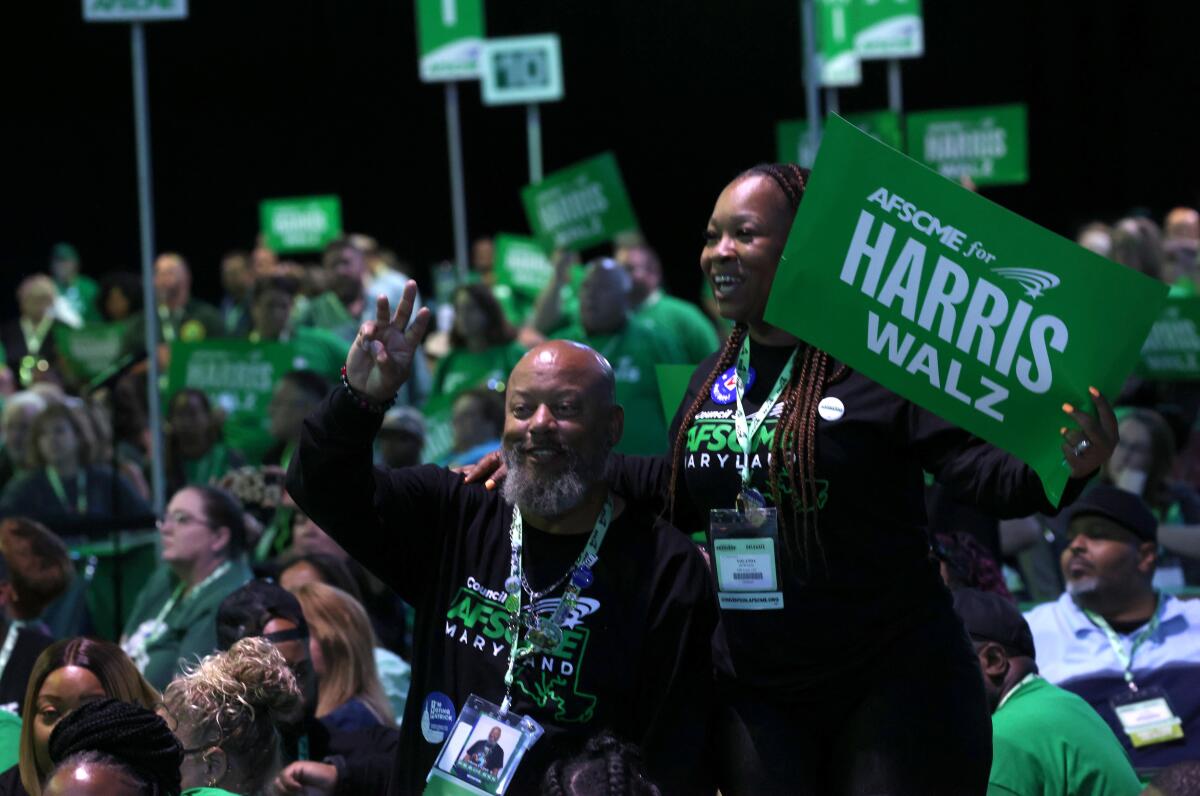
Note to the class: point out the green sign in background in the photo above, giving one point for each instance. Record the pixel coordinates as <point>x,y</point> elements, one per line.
<point>300,224</point>
<point>580,206</point>
<point>1026,320</point>
<point>987,144</point>
<point>522,264</point>
<point>888,29</point>
<point>1172,349</point>
<point>449,38</point>
<point>792,143</point>
<point>839,62</point>
<point>90,350</point>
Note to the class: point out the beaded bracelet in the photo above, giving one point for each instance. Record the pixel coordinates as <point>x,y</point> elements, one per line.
<point>365,403</point>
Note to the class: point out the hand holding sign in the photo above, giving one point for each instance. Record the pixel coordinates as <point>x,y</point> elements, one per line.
<point>1090,446</point>
<point>380,359</point>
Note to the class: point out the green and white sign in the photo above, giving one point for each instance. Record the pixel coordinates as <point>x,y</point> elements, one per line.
<point>134,10</point>
<point>89,351</point>
<point>522,264</point>
<point>521,69</point>
<point>1172,349</point>
<point>839,60</point>
<point>888,29</point>
<point>792,144</point>
<point>301,224</point>
<point>986,144</point>
<point>964,308</point>
<point>580,206</point>
<point>449,39</point>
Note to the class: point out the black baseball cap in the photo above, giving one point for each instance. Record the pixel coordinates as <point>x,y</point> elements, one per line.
<point>248,610</point>
<point>1124,508</point>
<point>990,617</point>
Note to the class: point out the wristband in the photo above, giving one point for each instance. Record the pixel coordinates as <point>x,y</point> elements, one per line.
<point>365,403</point>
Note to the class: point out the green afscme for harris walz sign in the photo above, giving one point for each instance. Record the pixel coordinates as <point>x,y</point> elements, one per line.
<point>956,304</point>
<point>581,205</point>
<point>1172,349</point>
<point>299,224</point>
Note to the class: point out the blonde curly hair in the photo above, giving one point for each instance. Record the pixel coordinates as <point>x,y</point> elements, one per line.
<point>235,700</point>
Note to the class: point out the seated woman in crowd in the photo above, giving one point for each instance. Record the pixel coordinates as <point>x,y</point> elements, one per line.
<point>482,347</point>
<point>195,453</point>
<point>225,712</point>
<point>203,549</point>
<point>64,480</point>
<point>341,645</point>
<point>68,674</point>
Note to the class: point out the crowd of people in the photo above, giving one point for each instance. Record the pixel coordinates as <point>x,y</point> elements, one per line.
<point>477,552</point>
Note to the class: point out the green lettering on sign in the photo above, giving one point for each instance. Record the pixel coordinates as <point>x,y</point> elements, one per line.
<point>986,144</point>
<point>954,303</point>
<point>580,206</point>
<point>301,224</point>
<point>1172,349</point>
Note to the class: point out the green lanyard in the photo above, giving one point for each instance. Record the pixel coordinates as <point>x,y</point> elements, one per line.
<point>208,466</point>
<point>1118,648</point>
<point>167,323</point>
<point>56,484</point>
<point>160,624</point>
<point>36,335</point>
<point>285,456</point>
<point>1027,679</point>
<point>542,633</point>
<point>746,431</point>
<point>10,642</point>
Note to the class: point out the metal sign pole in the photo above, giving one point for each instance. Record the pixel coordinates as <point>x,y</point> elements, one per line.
<point>831,101</point>
<point>533,133</point>
<point>458,201</point>
<point>812,77</point>
<point>896,98</point>
<point>141,123</point>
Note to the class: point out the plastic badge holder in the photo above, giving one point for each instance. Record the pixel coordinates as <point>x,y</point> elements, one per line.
<point>745,548</point>
<point>469,762</point>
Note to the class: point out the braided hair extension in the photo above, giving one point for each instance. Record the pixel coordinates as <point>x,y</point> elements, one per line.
<point>793,446</point>
<point>607,766</point>
<point>130,733</point>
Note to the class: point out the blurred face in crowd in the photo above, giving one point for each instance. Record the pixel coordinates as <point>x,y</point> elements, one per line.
<point>90,779</point>
<point>604,298</point>
<point>18,423</point>
<point>1104,561</point>
<point>116,304</point>
<point>471,426</point>
<point>1183,223</point>
<point>64,269</point>
<point>296,653</point>
<point>742,246</point>
<point>351,263</point>
<point>483,255</point>
<point>640,263</point>
<point>559,427</point>
<point>58,443</point>
<point>263,260</point>
<point>271,312</point>
<point>400,448</point>
<point>288,407</point>
<point>187,535</point>
<point>36,297</point>
<point>298,574</point>
<point>307,537</point>
<point>191,425</point>
<point>63,690</point>
<point>236,276</point>
<point>470,320</point>
<point>1134,452</point>
<point>172,282</point>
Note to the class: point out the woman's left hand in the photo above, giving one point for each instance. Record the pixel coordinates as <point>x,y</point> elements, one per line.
<point>1090,445</point>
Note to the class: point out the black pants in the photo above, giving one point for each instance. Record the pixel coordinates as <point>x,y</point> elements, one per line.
<point>913,722</point>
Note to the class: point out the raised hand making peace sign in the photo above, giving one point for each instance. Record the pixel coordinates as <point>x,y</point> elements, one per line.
<point>380,360</point>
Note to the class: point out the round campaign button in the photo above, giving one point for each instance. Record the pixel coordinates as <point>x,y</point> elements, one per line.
<point>724,389</point>
<point>437,717</point>
<point>831,409</point>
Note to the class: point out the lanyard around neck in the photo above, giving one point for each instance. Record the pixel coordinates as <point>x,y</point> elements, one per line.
<point>81,502</point>
<point>746,430</point>
<point>166,316</point>
<point>580,578</point>
<point>191,595</point>
<point>36,335</point>
<point>1029,678</point>
<point>10,643</point>
<point>1118,648</point>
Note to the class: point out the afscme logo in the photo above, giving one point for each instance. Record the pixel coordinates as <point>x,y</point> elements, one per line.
<point>1034,281</point>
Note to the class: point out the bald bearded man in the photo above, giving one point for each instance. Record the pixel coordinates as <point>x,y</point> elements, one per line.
<point>612,610</point>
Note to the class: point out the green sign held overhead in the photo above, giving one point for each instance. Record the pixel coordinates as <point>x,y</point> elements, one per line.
<point>1172,349</point>
<point>986,144</point>
<point>839,60</point>
<point>522,264</point>
<point>133,10</point>
<point>302,224</point>
<point>449,39</point>
<point>793,145</point>
<point>888,29</point>
<point>89,351</point>
<point>962,307</point>
<point>580,206</point>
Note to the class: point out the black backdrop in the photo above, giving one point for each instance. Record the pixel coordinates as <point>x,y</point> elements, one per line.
<point>259,98</point>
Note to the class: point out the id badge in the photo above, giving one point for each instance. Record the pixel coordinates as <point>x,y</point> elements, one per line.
<point>482,751</point>
<point>745,547</point>
<point>1146,717</point>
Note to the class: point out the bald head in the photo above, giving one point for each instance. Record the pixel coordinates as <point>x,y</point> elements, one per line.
<point>1183,223</point>
<point>604,297</point>
<point>172,280</point>
<point>577,362</point>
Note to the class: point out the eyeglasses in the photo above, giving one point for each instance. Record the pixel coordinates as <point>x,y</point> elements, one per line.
<point>178,518</point>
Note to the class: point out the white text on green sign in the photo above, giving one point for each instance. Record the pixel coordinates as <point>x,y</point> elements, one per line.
<point>521,69</point>
<point>134,10</point>
<point>449,39</point>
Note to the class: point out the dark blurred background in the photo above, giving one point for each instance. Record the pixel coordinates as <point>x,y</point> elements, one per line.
<point>264,98</point>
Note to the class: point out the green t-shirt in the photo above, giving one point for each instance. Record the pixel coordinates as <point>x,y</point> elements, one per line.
<point>190,626</point>
<point>633,352</point>
<point>685,322</point>
<point>10,739</point>
<point>81,295</point>
<point>459,371</point>
<point>1049,742</point>
<point>326,311</point>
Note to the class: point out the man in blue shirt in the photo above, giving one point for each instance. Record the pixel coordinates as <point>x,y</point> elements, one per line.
<point>1132,653</point>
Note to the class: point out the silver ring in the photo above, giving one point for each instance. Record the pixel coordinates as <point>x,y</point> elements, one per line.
<point>1082,447</point>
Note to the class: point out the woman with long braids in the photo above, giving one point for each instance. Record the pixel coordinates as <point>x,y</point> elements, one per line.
<point>857,677</point>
